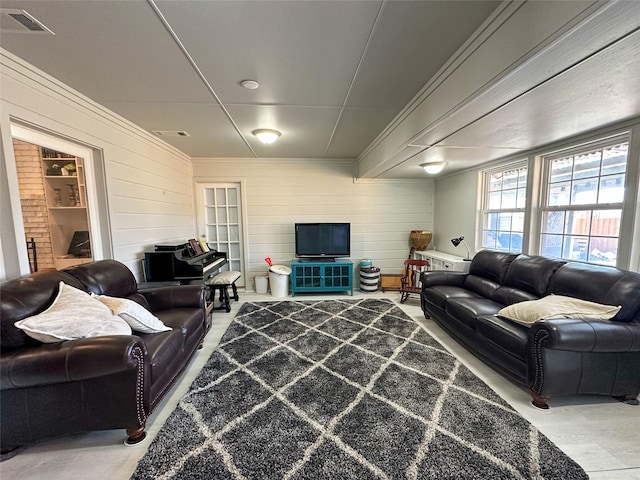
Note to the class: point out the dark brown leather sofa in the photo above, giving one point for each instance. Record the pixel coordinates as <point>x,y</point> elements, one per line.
<point>551,357</point>
<point>96,383</point>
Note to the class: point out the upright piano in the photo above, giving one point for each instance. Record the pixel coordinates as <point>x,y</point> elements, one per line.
<point>178,262</point>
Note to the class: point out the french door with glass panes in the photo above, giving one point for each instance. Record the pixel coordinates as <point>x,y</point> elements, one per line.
<point>220,221</point>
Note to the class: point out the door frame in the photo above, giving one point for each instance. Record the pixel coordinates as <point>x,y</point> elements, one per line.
<point>198,187</point>
<point>96,190</point>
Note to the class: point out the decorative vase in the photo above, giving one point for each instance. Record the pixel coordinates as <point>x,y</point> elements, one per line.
<point>420,239</point>
<point>72,196</point>
<point>58,197</point>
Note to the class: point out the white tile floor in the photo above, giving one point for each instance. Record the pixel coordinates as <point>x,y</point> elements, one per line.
<point>601,434</point>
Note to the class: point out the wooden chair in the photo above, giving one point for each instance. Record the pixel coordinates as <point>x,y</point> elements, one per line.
<point>222,282</point>
<point>410,281</point>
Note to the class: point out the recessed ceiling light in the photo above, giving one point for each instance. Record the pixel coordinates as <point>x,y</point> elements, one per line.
<point>433,167</point>
<point>266,135</point>
<point>250,84</point>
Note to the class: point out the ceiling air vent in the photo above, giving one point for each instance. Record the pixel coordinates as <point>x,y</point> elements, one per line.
<point>19,21</point>
<point>170,133</point>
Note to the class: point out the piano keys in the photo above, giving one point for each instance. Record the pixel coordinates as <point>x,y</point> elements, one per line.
<point>176,262</point>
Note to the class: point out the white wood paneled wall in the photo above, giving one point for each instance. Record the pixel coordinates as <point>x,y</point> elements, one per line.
<point>281,192</point>
<point>149,183</point>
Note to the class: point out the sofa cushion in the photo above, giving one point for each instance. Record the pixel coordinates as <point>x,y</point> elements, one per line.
<point>491,265</point>
<point>105,277</point>
<point>73,314</point>
<point>531,274</point>
<point>466,310</point>
<point>26,296</point>
<point>439,295</point>
<point>509,295</point>
<point>484,287</point>
<point>139,318</point>
<point>557,306</point>
<point>597,283</point>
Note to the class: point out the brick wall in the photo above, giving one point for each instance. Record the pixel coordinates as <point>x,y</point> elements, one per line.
<point>32,199</point>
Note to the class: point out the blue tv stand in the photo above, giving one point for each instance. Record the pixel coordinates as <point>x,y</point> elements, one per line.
<point>321,276</point>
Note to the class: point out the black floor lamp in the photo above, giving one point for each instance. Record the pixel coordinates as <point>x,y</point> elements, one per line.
<point>457,241</point>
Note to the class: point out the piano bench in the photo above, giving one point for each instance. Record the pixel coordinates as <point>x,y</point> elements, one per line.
<point>222,282</point>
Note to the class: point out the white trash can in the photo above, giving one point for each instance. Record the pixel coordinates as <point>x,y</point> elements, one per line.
<point>279,280</point>
<point>262,283</point>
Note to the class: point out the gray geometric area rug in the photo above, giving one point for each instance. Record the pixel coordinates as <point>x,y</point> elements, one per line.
<point>343,389</point>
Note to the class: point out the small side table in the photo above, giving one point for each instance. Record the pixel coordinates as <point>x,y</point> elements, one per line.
<point>391,282</point>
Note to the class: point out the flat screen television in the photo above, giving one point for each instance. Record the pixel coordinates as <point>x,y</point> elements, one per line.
<point>323,240</point>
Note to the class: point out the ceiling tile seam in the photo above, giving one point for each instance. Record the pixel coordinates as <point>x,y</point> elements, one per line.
<point>374,27</point>
<point>501,15</point>
<point>293,105</point>
<point>194,65</point>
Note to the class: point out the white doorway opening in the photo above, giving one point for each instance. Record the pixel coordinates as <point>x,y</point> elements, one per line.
<point>95,195</point>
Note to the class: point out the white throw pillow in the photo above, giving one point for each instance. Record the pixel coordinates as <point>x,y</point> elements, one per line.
<point>73,314</point>
<point>557,306</point>
<point>139,318</point>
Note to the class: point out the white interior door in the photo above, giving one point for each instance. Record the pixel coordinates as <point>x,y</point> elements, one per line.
<point>219,216</point>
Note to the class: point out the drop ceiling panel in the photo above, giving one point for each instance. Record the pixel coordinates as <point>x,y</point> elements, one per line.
<point>302,53</point>
<point>109,51</point>
<point>599,91</point>
<point>356,130</point>
<point>303,129</point>
<point>412,41</point>
<point>207,125</point>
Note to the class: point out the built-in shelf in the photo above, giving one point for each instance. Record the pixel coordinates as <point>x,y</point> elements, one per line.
<point>66,198</point>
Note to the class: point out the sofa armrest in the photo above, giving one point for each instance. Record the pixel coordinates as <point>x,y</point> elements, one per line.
<point>70,361</point>
<point>442,277</point>
<point>586,335</point>
<point>165,298</point>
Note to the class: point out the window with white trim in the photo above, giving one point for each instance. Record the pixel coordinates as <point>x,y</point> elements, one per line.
<point>583,201</point>
<point>503,210</point>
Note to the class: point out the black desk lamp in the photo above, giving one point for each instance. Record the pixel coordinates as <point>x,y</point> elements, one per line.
<point>458,241</point>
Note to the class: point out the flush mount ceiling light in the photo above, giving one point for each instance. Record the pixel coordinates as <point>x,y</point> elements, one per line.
<point>266,135</point>
<point>250,84</point>
<point>433,167</point>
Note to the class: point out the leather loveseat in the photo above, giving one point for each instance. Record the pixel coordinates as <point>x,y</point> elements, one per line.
<point>96,383</point>
<point>551,356</point>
